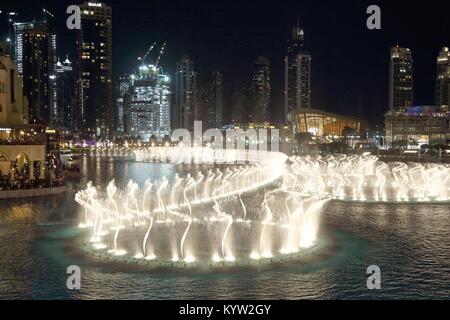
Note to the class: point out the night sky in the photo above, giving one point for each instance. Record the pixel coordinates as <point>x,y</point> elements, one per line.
<point>350,63</point>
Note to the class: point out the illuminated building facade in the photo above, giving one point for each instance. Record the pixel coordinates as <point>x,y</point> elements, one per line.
<point>443,79</point>
<point>147,104</point>
<point>325,127</point>
<point>185,109</point>
<point>93,71</point>
<point>417,126</point>
<point>35,46</point>
<point>13,104</point>
<point>400,79</point>
<point>297,92</point>
<point>22,146</point>
<point>261,88</point>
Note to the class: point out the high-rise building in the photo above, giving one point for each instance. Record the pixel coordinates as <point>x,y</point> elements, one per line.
<point>147,104</point>
<point>35,45</point>
<point>443,79</point>
<point>64,88</point>
<point>203,106</point>
<point>297,73</point>
<point>260,86</point>
<point>121,91</point>
<point>93,71</point>
<point>185,109</point>
<point>238,107</point>
<point>215,99</point>
<point>400,79</point>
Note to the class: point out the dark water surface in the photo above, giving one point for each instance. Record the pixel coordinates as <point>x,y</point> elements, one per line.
<point>410,243</point>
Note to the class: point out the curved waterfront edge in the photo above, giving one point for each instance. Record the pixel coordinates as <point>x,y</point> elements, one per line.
<point>32,193</point>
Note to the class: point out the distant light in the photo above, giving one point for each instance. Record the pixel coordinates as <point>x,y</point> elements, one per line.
<point>8,39</point>
<point>166,79</point>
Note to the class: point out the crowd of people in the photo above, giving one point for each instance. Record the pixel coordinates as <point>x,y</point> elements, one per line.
<point>20,176</point>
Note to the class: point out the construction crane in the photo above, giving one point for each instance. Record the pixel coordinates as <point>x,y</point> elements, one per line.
<point>147,53</point>
<point>160,53</point>
<point>47,12</point>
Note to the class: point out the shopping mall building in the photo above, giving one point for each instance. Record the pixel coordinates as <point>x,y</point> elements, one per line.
<point>417,126</point>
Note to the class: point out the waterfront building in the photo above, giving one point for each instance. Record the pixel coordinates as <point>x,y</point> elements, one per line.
<point>320,127</point>
<point>13,103</point>
<point>417,126</point>
<point>24,148</point>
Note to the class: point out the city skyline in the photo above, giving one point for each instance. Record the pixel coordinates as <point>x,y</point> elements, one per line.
<point>206,38</point>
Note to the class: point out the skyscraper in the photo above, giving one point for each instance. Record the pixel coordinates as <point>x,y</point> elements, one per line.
<point>147,103</point>
<point>35,45</point>
<point>297,64</point>
<point>64,88</point>
<point>443,79</point>
<point>94,88</point>
<point>400,79</point>
<point>238,106</point>
<point>260,86</point>
<point>121,90</point>
<point>215,99</point>
<point>203,106</point>
<point>185,110</point>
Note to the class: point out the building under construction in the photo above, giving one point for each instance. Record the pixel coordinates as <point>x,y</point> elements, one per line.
<point>147,100</point>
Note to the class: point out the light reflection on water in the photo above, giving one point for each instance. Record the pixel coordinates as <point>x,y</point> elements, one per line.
<point>409,242</point>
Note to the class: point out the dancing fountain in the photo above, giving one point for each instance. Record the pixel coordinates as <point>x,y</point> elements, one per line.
<point>238,212</point>
<point>365,178</point>
<point>241,208</point>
